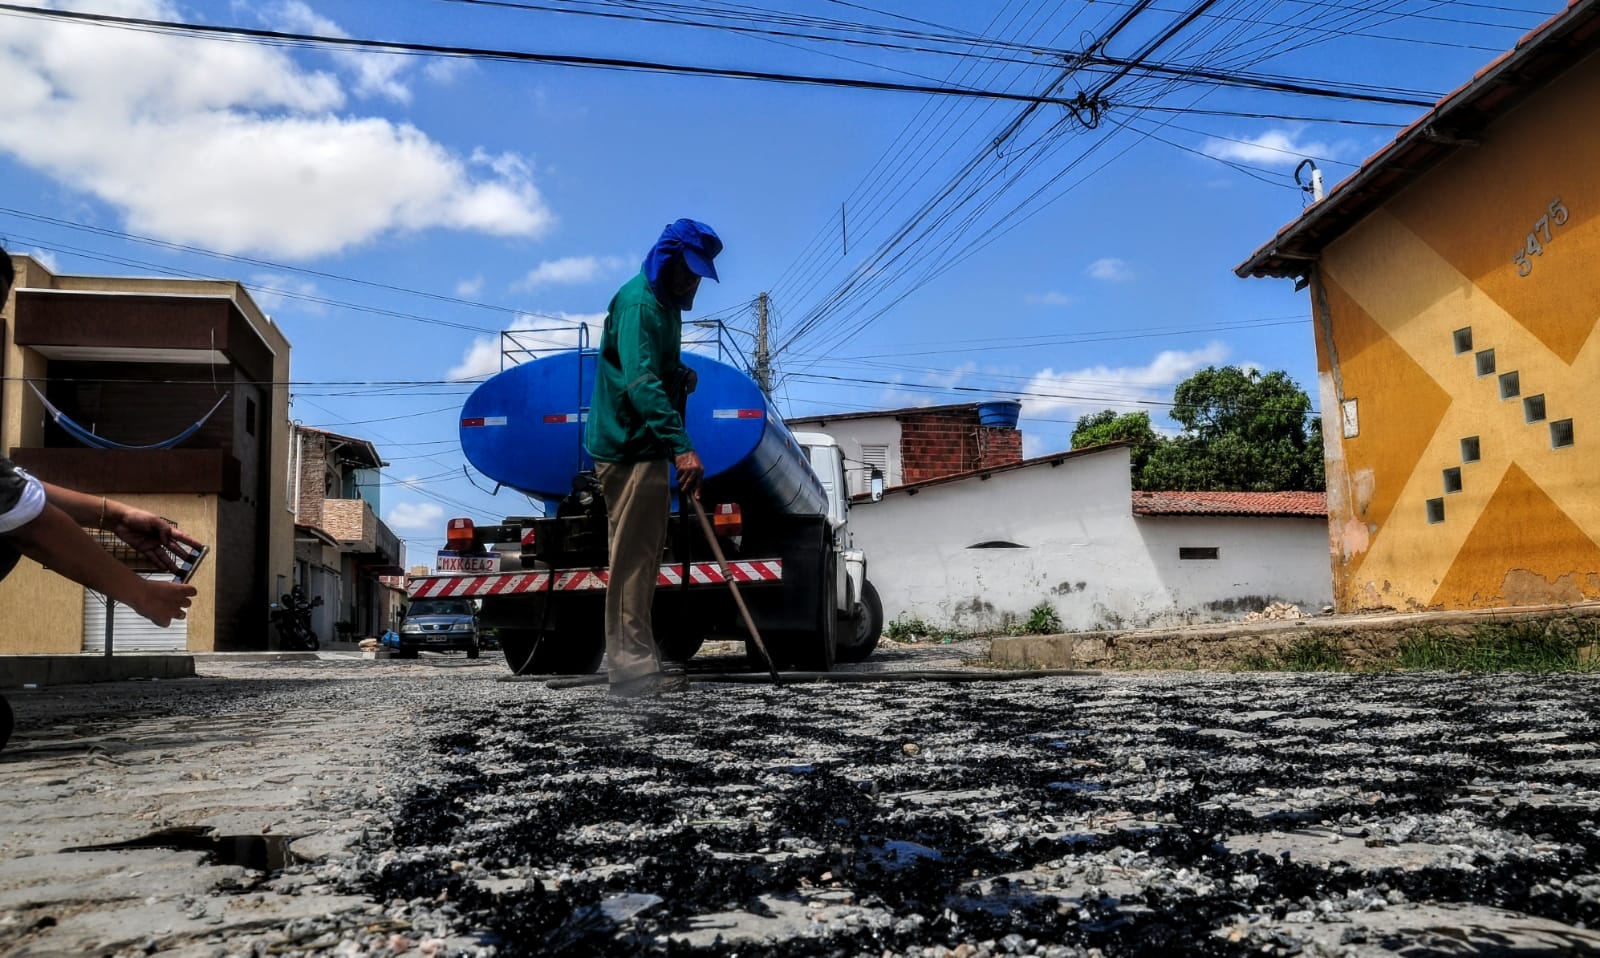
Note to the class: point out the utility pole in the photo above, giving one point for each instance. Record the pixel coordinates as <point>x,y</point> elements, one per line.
<point>763,358</point>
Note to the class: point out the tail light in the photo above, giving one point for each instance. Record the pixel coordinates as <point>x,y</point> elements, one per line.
<point>727,521</point>
<point>458,536</point>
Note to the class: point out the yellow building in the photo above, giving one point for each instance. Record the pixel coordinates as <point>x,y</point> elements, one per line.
<point>1455,290</point>
<point>137,362</point>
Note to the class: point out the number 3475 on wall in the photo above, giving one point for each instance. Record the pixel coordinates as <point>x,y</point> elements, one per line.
<point>1533,245</point>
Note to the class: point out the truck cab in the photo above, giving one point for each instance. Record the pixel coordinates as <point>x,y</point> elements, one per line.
<point>860,611</point>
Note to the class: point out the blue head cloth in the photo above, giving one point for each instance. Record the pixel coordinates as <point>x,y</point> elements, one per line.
<point>695,244</point>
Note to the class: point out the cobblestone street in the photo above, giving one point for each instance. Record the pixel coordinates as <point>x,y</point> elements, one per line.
<point>350,807</point>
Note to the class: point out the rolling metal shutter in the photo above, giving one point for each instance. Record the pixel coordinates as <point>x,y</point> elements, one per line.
<point>130,632</point>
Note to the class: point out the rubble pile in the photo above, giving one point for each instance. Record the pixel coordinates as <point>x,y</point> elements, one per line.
<point>1277,611</point>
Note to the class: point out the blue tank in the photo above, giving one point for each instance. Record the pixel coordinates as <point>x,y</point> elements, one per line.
<point>523,428</point>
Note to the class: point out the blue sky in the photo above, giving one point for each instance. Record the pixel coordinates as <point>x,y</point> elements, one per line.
<point>394,212</point>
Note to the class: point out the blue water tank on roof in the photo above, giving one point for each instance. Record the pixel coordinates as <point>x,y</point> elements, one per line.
<point>523,428</point>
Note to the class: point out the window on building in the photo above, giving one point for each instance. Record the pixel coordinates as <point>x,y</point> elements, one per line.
<point>1435,511</point>
<point>1197,552</point>
<point>249,416</point>
<point>1561,433</point>
<point>1470,451</point>
<point>1463,337</point>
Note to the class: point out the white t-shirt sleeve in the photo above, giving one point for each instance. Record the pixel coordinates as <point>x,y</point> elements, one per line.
<point>21,497</point>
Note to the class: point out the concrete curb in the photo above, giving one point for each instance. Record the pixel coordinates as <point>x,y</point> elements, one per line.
<point>17,671</point>
<point>256,656</point>
<point>1219,644</point>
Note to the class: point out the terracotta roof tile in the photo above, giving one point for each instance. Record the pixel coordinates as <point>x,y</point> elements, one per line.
<point>1230,504</point>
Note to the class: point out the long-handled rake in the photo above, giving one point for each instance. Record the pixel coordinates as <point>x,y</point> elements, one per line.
<point>727,573</point>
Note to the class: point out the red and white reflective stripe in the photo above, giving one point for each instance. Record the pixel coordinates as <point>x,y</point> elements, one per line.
<point>483,421</point>
<point>583,580</point>
<point>556,418</point>
<point>709,573</point>
<point>738,414</point>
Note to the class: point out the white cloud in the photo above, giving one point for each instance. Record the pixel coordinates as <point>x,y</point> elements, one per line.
<point>533,336</point>
<point>445,70</point>
<point>569,271</point>
<point>1051,298</point>
<point>468,288</point>
<point>415,517</point>
<point>376,73</point>
<point>1110,270</point>
<point>236,146</point>
<point>1070,394</point>
<point>275,292</point>
<point>1272,148</point>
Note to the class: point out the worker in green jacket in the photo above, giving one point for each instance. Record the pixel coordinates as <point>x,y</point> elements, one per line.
<point>635,433</point>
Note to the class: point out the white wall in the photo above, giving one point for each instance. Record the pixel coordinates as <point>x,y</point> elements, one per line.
<point>1084,553</point>
<point>1259,561</point>
<point>851,435</point>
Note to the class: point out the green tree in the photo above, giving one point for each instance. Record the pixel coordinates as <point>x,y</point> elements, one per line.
<point>1243,430</point>
<point>1107,425</point>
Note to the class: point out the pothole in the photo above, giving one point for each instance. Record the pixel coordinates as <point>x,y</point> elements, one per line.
<point>262,853</point>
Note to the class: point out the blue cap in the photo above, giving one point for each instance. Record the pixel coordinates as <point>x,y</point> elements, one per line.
<point>696,242</point>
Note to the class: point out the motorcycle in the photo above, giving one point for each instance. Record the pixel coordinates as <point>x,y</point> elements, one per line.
<point>292,617</point>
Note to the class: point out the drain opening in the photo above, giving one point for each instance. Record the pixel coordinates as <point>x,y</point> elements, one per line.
<point>262,853</point>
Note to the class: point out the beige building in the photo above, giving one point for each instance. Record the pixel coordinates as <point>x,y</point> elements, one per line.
<point>100,374</point>
<point>342,550</point>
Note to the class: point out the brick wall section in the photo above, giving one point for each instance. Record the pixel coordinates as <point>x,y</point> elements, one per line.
<point>349,520</point>
<point>933,445</point>
<point>313,455</point>
<point>1001,447</point>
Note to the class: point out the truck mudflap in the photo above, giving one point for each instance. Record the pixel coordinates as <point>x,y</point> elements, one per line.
<point>753,571</point>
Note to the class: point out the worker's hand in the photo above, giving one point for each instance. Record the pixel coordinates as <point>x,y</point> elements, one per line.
<point>162,602</point>
<point>150,534</point>
<point>690,471</point>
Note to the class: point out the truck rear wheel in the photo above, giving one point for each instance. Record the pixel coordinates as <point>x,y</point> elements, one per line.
<point>861,631</point>
<point>532,652</point>
<point>814,649</point>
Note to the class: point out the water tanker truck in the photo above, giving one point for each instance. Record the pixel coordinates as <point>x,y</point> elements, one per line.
<point>777,500</point>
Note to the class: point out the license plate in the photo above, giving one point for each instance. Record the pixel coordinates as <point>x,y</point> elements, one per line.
<point>450,562</point>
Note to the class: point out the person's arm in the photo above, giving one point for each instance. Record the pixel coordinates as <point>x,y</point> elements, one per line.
<point>56,540</point>
<point>147,532</point>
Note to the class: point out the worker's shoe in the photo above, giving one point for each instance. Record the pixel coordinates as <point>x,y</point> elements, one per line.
<point>650,686</point>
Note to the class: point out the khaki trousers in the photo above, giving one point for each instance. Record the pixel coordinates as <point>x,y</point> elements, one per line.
<point>638,502</point>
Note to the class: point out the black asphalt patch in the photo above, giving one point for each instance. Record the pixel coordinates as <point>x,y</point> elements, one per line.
<point>1201,815</point>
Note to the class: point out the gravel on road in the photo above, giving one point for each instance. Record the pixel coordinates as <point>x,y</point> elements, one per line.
<point>351,807</point>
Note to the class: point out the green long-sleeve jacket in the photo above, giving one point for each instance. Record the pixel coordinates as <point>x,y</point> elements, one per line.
<point>631,418</point>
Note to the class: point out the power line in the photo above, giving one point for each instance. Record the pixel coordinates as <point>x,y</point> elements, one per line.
<point>518,56</point>
<point>267,264</point>
<point>1017,393</point>
<point>1122,66</point>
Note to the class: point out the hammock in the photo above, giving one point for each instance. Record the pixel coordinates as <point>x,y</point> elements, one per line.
<point>100,442</point>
